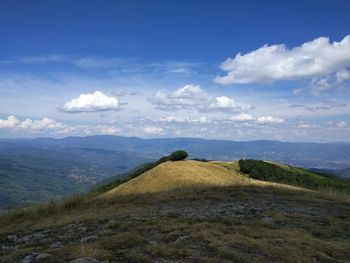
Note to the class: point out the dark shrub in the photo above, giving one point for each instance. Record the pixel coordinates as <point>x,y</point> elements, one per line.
<point>294,176</point>
<point>178,156</point>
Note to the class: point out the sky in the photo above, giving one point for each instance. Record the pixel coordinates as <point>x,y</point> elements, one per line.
<point>237,70</point>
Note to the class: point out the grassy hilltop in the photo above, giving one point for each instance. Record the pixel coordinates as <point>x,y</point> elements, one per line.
<point>192,211</point>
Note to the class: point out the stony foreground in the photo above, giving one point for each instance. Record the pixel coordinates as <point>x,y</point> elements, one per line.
<point>215,225</point>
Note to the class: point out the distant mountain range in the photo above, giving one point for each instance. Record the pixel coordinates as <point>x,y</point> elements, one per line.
<point>41,168</point>
<point>315,155</point>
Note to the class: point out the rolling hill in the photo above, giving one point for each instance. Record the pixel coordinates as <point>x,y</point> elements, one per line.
<point>78,163</point>
<point>181,176</point>
<point>188,211</point>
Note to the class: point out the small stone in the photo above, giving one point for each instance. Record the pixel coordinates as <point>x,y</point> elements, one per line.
<point>56,244</point>
<point>27,259</point>
<point>85,260</point>
<point>30,258</point>
<point>42,256</point>
<point>152,242</point>
<point>89,239</point>
<point>37,236</point>
<point>267,219</point>
<point>25,239</point>
<point>82,229</point>
<point>12,238</point>
<point>182,239</point>
<point>5,247</point>
<point>256,210</point>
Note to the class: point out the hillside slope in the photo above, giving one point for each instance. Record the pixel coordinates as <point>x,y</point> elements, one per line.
<point>190,175</point>
<point>213,213</point>
<point>171,176</point>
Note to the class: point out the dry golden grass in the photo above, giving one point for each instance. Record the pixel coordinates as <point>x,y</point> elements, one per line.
<point>183,176</point>
<point>179,175</point>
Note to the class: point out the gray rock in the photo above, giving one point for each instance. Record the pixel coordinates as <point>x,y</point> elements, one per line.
<point>12,238</point>
<point>182,239</point>
<point>89,239</point>
<point>42,256</point>
<point>6,247</point>
<point>82,229</point>
<point>25,239</point>
<point>27,259</point>
<point>267,219</point>
<point>56,244</point>
<point>37,236</point>
<point>85,260</point>
<point>30,258</point>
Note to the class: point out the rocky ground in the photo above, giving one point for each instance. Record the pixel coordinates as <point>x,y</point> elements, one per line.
<point>215,226</point>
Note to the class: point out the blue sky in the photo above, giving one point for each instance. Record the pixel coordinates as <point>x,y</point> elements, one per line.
<point>239,70</point>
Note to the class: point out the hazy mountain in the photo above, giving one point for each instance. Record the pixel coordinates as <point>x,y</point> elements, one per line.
<point>316,155</point>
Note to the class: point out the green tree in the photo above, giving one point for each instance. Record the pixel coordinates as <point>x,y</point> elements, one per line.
<point>178,156</point>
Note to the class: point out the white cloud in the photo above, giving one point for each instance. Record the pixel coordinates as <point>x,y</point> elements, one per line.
<point>43,59</point>
<point>298,91</point>
<point>342,75</point>
<point>10,122</point>
<point>194,97</point>
<point>44,123</point>
<point>185,97</point>
<point>267,64</point>
<point>242,117</point>
<point>331,82</point>
<point>305,125</point>
<point>225,103</point>
<point>152,130</point>
<point>173,118</point>
<point>203,119</point>
<point>31,125</point>
<point>181,119</point>
<point>269,120</point>
<point>341,124</point>
<point>91,102</point>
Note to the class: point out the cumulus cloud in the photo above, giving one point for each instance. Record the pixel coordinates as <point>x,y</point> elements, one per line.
<point>342,75</point>
<point>174,119</point>
<point>249,119</point>
<point>225,103</point>
<point>194,97</point>
<point>331,82</point>
<point>91,102</point>
<point>269,120</point>
<point>45,123</point>
<point>31,125</point>
<point>181,119</point>
<point>10,122</point>
<point>341,124</point>
<point>185,97</point>
<point>267,64</point>
<point>242,117</point>
<point>152,130</point>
